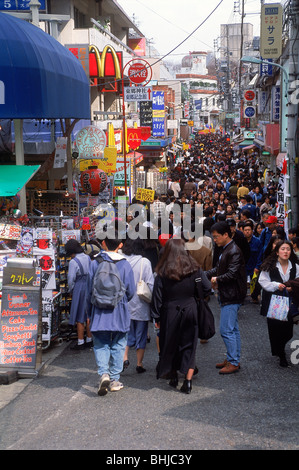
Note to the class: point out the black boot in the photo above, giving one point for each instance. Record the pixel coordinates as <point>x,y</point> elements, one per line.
<point>283,361</point>
<point>187,386</point>
<point>174,381</point>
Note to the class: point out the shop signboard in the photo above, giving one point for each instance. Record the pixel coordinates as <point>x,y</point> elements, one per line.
<point>137,93</point>
<point>20,316</point>
<point>119,175</point>
<point>271,31</point>
<point>158,114</point>
<point>145,194</point>
<point>90,141</point>
<point>146,113</point>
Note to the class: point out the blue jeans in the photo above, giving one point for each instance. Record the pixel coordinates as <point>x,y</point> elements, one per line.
<point>109,348</point>
<point>229,330</point>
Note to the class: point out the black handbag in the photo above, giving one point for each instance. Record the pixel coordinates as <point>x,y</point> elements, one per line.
<point>293,311</point>
<point>206,322</point>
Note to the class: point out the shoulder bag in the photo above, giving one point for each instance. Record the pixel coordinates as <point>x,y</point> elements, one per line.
<point>143,291</point>
<point>206,322</point>
<point>279,307</point>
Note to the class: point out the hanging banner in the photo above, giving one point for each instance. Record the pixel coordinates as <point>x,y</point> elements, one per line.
<point>60,153</point>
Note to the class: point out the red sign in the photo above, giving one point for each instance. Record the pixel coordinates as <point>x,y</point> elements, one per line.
<point>145,133</point>
<point>137,73</point>
<point>134,137</point>
<point>249,95</point>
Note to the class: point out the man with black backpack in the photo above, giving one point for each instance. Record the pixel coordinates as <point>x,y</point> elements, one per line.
<point>109,288</point>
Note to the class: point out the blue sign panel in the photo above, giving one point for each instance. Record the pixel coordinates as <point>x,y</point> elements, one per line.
<point>19,5</point>
<point>198,104</point>
<point>266,69</point>
<point>249,111</point>
<point>158,128</point>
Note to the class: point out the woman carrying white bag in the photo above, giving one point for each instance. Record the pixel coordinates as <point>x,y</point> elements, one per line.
<point>280,267</point>
<point>139,305</point>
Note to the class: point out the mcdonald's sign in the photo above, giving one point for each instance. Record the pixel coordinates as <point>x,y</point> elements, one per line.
<point>134,137</point>
<point>96,64</point>
<point>107,63</point>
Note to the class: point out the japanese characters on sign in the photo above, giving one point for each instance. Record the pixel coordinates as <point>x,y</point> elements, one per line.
<point>276,104</point>
<point>145,194</point>
<point>271,31</point>
<point>158,125</point>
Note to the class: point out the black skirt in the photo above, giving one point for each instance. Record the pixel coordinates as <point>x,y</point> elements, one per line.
<point>280,332</point>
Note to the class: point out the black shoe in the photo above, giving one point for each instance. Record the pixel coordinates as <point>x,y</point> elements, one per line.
<point>283,362</point>
<point>140,369</point>
<point>88,344</point>
<point>173,382</point>
<point>187,386</point>
<point>78,347</point>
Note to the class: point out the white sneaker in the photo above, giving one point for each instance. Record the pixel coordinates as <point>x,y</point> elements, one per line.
<point>104,385</point>
<point>115,386</point>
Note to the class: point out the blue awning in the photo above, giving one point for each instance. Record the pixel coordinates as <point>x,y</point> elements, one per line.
<point>39,78</point>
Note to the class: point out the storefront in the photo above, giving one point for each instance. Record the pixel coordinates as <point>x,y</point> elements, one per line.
<point>40,79</point>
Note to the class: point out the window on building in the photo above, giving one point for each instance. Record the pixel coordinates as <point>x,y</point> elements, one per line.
<point>79,18</point>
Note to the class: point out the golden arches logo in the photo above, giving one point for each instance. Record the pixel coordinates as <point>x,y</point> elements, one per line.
<point>100,59</point>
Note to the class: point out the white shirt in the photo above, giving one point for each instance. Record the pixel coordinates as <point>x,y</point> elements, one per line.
<point>272,286</point>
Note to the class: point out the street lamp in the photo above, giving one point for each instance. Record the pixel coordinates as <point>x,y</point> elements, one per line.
<point>287,126</point>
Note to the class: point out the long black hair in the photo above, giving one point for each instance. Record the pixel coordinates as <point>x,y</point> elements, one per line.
<point>270,261</point>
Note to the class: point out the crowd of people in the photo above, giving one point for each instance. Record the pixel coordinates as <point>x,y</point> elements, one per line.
<point>241,250</point>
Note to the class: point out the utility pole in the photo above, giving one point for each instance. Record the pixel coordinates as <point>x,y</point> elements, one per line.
<point>292,115</point>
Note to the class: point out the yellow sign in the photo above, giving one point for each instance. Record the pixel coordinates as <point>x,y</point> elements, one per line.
<point>145,194</point>
<point>271,31</point>
<point>107,163</point>
<point>159,113</point>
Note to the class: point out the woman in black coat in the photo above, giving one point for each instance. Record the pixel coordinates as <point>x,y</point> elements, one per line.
<point>280,267</point>
<point>174,309</point>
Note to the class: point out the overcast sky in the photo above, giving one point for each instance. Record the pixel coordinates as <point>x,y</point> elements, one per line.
<point>169,22</point>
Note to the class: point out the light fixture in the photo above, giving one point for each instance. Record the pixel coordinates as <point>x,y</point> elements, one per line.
<point>66,193</point>
<point>38,212</point>
<point>39,193</point>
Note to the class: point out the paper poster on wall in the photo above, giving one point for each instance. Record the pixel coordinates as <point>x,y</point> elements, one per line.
<point>43,242</point>
<point>46,262</point>
<point>67,235</point>
<point>48,280</point>
<point>25,244</point>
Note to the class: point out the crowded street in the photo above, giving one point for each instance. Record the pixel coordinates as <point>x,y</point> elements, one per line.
<point>149,228</point>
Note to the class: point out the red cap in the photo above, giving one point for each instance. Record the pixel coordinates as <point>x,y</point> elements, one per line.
<point>271,220</point>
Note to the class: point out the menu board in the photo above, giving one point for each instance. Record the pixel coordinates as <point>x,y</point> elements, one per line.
<point>19,328</point>
<point>146,113</point>
<point>20,315</point>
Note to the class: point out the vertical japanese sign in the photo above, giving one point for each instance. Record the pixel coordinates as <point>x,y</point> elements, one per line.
<point>158,125</point>
<point>81,51</point>
<point>276,104</point>
<point>271,31</point>
<point>281,205</point>
<point>60,153</point>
